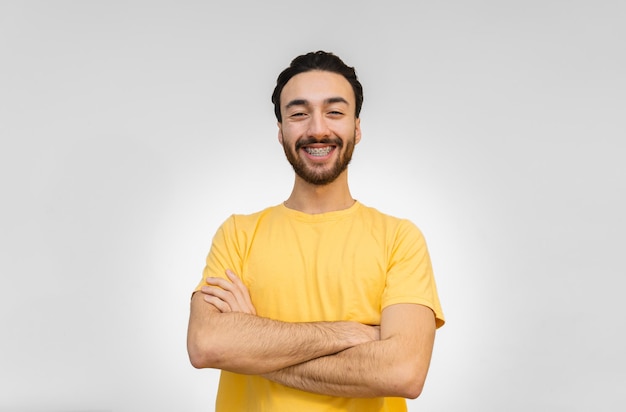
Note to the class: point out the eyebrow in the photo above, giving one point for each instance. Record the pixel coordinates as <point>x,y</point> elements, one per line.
<point>303,102</point>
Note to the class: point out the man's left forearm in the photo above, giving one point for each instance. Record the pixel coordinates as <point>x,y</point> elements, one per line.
<point>371,369</point>
<point>395,365</point>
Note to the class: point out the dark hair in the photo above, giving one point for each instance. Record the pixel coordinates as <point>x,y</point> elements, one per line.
<point>319,60</point>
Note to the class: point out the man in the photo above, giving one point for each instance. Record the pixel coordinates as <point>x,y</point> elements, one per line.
<point>320,303</point>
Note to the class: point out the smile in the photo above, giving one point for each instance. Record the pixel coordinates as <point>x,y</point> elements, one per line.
<point>318,151</point>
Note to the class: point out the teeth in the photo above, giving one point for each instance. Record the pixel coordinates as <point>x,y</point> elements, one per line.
<point>318,151</point>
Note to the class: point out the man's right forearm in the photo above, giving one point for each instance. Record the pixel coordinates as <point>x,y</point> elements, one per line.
<point>248,344</point>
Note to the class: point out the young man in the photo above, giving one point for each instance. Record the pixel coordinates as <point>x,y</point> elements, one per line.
<point>320,303</point>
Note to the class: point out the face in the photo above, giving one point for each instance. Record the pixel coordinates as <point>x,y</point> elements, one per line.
<point>319,129</point>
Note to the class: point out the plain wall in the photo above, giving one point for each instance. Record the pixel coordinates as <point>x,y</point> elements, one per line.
<point>131,130</point>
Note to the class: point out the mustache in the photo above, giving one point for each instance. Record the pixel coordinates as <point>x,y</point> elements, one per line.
<point>311,140</point>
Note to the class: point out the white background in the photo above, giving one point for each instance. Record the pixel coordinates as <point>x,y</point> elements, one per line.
<point>131,130</point>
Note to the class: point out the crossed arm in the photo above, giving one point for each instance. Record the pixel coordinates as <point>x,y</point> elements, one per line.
<point>333,358</point>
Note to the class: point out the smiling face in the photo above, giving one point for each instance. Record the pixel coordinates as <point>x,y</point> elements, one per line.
<point>319,129</point>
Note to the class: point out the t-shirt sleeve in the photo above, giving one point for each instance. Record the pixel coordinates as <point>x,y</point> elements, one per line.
<point>409,274</point>
<point>224,253</point>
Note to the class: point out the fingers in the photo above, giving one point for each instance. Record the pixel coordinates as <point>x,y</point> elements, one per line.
<point>219,298</point>
<point>228,296</point>
<point>230,292</point>
<point>242,295</point>
<point>217,302</point>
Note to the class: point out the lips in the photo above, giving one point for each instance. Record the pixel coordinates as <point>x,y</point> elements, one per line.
<point>318,151</point>
<point>311,143</point>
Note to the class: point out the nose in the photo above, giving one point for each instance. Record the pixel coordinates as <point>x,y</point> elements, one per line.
<point>318,127</point>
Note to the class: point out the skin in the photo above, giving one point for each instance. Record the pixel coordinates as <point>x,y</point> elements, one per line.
<point>326,112</point>
<point>333,358</point>
<point>238,341</point>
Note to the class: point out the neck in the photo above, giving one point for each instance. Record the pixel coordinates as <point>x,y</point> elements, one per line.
<point>314,199</point>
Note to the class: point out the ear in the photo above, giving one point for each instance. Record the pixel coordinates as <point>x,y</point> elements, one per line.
<point>357,130</point>
<point>280,132</point>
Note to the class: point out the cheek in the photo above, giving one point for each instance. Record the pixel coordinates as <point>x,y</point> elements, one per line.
<point>348,132</point>
<point>289,133</point>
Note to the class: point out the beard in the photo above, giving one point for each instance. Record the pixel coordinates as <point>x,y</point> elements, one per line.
<point>320,175</point>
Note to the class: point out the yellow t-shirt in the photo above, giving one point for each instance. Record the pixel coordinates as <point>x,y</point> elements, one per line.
<point>343,265</point>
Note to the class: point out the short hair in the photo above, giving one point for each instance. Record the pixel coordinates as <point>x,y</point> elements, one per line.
<point>323,61</point>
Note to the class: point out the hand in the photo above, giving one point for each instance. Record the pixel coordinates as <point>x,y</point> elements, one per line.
<point>228,296</point>
<point>367,333</point>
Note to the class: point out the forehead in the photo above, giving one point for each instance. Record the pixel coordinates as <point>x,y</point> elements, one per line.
<point>317,86</point>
